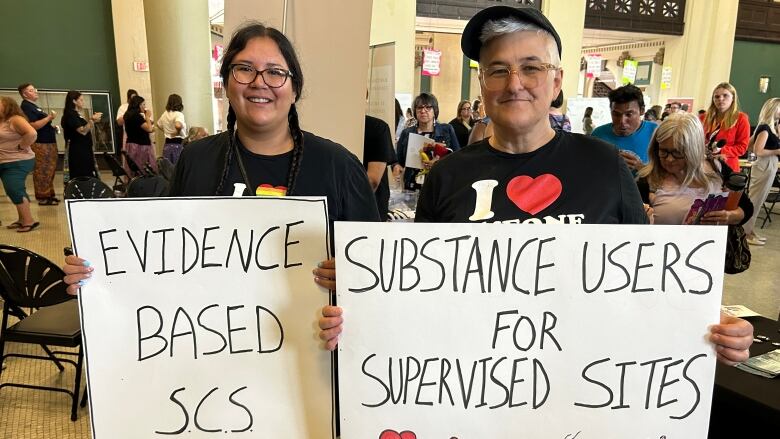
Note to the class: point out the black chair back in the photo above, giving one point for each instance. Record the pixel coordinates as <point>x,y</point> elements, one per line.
<point>165,168</point>
<point>28,279</point>
<point>151,186</point>
<point>135,170</point>
<point>113,164</point>
<point>80,188</point>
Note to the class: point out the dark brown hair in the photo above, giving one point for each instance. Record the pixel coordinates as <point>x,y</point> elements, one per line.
<point>22,87</point>
<point>238,42</point>
<point>174,103</point>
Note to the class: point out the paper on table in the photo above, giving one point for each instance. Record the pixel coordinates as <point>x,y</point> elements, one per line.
<point>738,311</point>
<point>413,148</point>
<point>767,365</point>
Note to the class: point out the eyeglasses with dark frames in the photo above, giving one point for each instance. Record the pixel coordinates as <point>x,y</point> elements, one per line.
<point>273,77</point>
<point>663,153</point>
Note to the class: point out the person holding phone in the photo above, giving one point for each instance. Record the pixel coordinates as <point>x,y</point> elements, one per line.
<point>77,131</point>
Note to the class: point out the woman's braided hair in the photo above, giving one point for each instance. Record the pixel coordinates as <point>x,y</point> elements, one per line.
<point>237,43</point>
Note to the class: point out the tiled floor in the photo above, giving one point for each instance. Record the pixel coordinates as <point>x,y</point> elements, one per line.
<point>35,414</point>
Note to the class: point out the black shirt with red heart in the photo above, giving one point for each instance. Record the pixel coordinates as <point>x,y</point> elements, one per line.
<point>572,179</point>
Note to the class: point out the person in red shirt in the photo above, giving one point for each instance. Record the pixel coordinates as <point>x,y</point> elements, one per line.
<point>724,121</point>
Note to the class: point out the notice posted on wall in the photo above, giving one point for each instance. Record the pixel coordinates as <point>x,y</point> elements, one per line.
<point>200,318</point>
<point>544,331</point>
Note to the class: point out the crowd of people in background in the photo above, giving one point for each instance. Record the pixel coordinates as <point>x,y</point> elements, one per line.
<point>28,143</point>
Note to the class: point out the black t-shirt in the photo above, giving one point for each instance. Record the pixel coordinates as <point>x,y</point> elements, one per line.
<point>326,169</point>
<point>136,134</point>
<point>571,179</point>
<point>378,147</point>
<point>34,113</point>
<point>71,120</point>
<point>772,142</point>
<point>461,131</point>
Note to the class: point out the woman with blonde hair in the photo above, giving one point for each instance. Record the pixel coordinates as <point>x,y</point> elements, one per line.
<point>724,121</point>
<point>678,173</point>
<point>766,146</point>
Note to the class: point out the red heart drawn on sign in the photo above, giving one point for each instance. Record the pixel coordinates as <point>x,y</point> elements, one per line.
<point>533,195</point>
<point>392,434</point>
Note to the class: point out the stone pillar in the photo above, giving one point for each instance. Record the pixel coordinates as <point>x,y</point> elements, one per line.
<point>331,40</point>
<point>568,18</point>
<point>393,21</point>
<point>701,58</point>
<point>130,42</point>
<point>179,42</point>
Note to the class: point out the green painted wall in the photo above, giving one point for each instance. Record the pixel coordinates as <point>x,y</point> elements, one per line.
<point>750,61</point>
<point>59,45</point>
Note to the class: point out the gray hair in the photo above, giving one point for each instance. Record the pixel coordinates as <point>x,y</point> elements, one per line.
<point>509,25</point>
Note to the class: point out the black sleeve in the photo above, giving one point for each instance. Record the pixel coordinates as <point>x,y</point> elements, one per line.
<point>72,120</point>
<point>632,211</point>
<point>644,189</point>
<point>426,204</point>
<point>747,206</point>
<point>454,144</point>
<point>379,144</point>
<point>30,112</point>
<point>403,143</point>
<point>357,200</point>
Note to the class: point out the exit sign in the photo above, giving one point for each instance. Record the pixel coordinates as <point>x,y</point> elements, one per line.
<point>140,66</point>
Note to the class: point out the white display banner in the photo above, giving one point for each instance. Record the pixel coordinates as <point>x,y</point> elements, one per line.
<point>575,109</point>
<point>199,319</point>
<point>537,331</point>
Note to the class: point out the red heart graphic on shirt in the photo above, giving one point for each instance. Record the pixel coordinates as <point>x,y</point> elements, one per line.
<point>533,195</point>
<point>392,434</point>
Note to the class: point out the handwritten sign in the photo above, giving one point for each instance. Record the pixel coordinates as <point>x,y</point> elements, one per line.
<point>542,331</point>
<point>629,71</point>
<point>199,320</point>
<point>431,64</point>
<point>666,78</point>
<point>594,65</point>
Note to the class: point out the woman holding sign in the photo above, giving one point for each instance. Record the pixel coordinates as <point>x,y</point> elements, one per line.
<point>264,151</point>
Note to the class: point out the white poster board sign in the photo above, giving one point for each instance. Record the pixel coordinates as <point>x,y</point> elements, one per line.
<point>629,71</point>
<point>541,331</point>
<point>666,78</point>
<point>413,148</point>
<point>593,65</point>
<point>200,316</point>
<point>431,65</point>
<point>575,109</point>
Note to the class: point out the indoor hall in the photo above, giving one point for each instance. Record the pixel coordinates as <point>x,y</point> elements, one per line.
<point>411,49</point>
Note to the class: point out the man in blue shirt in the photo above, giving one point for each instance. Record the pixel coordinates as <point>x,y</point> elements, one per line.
<point>628,131</point>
